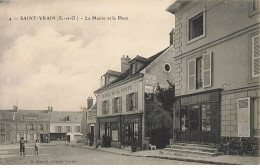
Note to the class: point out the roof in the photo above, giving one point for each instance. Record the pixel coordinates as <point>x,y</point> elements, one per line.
<point>6,114</point>
<point>139,58</point>
<point>40,114</point>
<point>126,75</point>
<point>177,5</point>
<point>59,116</point>
<point>94,107</point>
<point>111,72</point>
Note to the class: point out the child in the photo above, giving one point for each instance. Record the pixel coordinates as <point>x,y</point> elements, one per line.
<point>36,147</point>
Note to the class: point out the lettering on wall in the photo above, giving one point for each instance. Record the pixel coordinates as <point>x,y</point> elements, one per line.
<point>117,91</point>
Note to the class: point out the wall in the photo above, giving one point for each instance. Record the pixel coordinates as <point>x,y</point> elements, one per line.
<point>121,90</point>
<point>221,20</point>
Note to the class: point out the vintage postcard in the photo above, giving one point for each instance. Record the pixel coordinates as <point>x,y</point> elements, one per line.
<point>129,82</point>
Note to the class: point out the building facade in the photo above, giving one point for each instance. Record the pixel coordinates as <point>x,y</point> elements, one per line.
<point>216,70</point>
<point>65,126</point>
<point>121,100</point>
<point>32,125</point>
<point>7,125</point>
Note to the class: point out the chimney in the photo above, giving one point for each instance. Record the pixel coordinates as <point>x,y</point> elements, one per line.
<point>102,82</point>
<point>89,103</point>
<point>50,108</point>
<point>124,63</point>
<point>171,37</point>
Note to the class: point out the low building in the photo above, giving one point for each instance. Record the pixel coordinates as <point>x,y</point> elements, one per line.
<point>92,127</point>
<point>32,125</point>
<point>65,126</point>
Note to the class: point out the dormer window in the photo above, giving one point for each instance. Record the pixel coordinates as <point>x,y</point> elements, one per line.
<point>67,118</point>
<point>133,68</point>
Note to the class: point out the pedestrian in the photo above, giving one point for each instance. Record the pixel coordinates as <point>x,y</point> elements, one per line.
<point>36,147</point>
<point>22,147</point>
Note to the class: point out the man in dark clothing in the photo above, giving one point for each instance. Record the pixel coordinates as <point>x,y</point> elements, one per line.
<point>22,147</point>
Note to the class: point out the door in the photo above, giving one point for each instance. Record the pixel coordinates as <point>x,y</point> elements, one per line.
<point>68,138</point>
<point>92,130</point>
<point>194,119</point>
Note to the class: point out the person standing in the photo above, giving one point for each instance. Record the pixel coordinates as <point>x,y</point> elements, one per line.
<point>36,147</point>
<point>22,147</point>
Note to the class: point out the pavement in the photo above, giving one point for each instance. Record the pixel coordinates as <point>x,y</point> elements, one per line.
<point>160,154</point>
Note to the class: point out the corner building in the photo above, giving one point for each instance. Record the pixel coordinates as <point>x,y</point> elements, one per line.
<point>216,70</point>
<point>121,103</point>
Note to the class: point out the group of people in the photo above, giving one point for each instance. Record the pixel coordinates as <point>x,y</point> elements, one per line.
<point>22,147</point>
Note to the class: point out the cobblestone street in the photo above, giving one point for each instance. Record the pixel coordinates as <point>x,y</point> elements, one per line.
<point>64,154</point>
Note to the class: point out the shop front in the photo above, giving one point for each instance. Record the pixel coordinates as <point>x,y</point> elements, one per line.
<point>132,130</point>
<point>197,117</point>
<point>122,130</point>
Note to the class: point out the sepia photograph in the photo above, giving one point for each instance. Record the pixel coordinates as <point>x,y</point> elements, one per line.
<point>129,82</point>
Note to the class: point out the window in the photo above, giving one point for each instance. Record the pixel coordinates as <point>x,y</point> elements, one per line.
<point>117,105</point>
<point>200,72</point>
<point>167,67</point>
<point>199,82</point>
<point>67,118</point>
<point>205,117</point>
<point>132,101</point>
<point>31,126</point>
<point>254,7</point>
<point>77,128</point>
<point>133,68</point>
<point>41,127</point>
<point>31,137</point>
<point>67,128</point>
<point>105,107</point>
<point>196,26</point>
<point>58,128</point>
<point>255,56</point>
<point>2,137</point>
<point>2,127</point>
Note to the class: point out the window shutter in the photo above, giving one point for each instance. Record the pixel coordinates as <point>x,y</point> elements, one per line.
<point>35,136</point>
<point>256,56</point>
<point>136,100</point>
<point>207,68</point>
<point>120,104</point>
<point>107,107</point>
<point>113,105</point>
<point>127,102</point>
<point>192,74</point>
<point>243,109</point>
<point>103,107</point>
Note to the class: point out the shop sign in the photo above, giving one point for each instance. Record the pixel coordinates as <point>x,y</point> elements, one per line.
<point>117,91</point>
<point>150,80</point>
<point>108,120</point>
<point>202,98</point>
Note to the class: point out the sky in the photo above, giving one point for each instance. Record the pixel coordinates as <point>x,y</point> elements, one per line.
<point>59,63</point>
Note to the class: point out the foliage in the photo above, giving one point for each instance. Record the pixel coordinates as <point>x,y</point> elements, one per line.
<point>239,146</point>
<point>165,96</point>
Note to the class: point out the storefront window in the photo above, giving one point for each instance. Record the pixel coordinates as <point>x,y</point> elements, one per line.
<point>194,117</point>
<point>205,118</point>
<point>184,119</point>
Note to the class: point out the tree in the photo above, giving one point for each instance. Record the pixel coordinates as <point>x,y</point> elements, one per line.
<point>159,118</point>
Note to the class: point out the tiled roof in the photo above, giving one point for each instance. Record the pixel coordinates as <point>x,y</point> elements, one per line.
<point>115,73</point>
<point>41,114</point>
<point>126,74</point>
<point>59,116</point>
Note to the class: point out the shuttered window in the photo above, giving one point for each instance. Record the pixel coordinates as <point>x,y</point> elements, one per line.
<point>207,69</point>
<point>243,109</point>
<point>200,72</point>
<point>255,56</point>
<point>132,101</point>
<point>105,107</point>
<point>192,74</point>
<point>117,105</point>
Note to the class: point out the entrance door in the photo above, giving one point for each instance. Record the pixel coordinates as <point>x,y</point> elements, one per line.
<point>92,130</point>
<point>68,138</point>
<point>194,118</point>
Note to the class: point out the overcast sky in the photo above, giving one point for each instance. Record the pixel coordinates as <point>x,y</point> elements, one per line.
<point>59,63</point>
